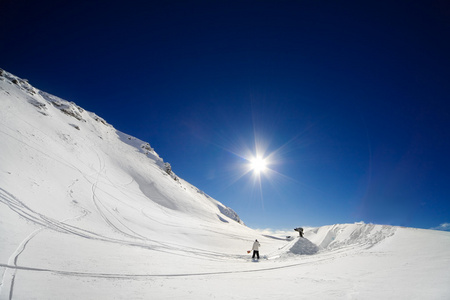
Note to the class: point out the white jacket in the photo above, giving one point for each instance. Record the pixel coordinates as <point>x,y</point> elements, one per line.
<point>256,246</point>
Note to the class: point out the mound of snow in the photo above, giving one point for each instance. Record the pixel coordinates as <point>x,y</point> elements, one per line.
<point>304,247</point>
<point>344,235</point>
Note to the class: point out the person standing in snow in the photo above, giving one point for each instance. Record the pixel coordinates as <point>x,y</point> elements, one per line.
<point>300,231</point>
<point>255,249</point>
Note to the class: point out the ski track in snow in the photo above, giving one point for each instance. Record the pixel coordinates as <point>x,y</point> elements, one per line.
<point>24,211</point>
<point>109,217</point>
<point>61,226</point>
<point>104,211</point>
<point>143,276</point>
<point>9,275</point>
<point>95,199</point>
<point>320,258</point>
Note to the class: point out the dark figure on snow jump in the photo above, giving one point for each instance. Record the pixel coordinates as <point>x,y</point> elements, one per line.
<point>300,231</point>
<point>255,249</point>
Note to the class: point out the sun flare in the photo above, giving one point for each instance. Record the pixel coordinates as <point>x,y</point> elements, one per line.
<point>258,164</point>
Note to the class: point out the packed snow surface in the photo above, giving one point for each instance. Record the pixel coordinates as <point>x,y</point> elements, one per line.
<point>87,212</point>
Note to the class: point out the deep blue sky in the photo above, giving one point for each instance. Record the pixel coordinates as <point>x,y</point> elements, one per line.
<point>351,98</point>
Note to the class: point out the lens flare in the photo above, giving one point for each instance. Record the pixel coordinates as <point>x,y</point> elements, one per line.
<point>258,164</point>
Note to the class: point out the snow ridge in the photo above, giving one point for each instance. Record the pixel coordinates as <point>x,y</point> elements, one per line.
<point>44,101</point>
<point>229,213</point>
<point>345,235</point>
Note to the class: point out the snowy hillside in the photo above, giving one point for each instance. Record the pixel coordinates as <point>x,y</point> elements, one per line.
<point>87,212</point>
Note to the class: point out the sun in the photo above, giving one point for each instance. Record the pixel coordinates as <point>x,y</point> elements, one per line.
<point>258,164</point>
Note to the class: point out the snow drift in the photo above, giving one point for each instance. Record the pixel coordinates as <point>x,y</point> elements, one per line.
<point>339,236</point>
<point>304,247</point>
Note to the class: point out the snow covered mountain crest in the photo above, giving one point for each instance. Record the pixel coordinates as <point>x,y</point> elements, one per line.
<point>93,127</point>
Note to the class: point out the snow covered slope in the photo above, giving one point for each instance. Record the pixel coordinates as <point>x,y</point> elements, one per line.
<point>87,212</point>
<point>59,159</point>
